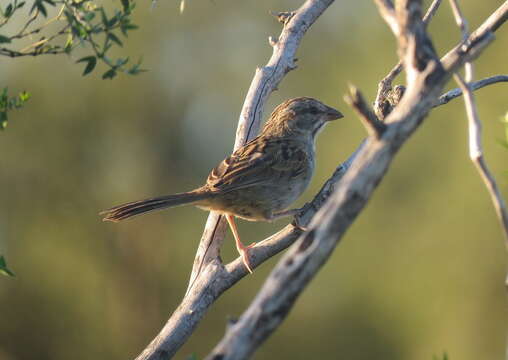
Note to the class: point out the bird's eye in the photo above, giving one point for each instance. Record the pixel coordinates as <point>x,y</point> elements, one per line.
<point>313,111</point>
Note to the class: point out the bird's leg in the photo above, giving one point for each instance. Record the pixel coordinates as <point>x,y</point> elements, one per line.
<point>242,249</point>
<point>292,212</point>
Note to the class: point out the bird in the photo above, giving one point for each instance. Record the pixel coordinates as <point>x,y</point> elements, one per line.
<point>261,179</point>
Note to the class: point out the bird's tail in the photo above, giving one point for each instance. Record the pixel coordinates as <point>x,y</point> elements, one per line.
<point>135,208</point>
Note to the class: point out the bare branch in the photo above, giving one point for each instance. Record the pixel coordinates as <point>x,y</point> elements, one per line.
<point>454,93</point>
<point>476,155</point>
<point>431,11</point>
<point>460,19</point>
<point>464,30</point>
<point>356,100</point>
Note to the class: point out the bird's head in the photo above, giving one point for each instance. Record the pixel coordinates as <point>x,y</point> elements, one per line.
<point>303,115</point>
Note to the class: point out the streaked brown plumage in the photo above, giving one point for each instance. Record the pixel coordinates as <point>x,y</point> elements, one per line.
<point>259,180</point>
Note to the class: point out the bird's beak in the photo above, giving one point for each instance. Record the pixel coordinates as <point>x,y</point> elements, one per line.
<point>333,114</point>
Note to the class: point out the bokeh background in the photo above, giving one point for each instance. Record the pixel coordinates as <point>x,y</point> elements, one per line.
<point>420,273</point>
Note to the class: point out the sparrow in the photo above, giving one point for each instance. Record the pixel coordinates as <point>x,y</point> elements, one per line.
<point>260,180</point>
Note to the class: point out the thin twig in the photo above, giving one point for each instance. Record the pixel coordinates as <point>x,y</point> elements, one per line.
<point>454,93</point>
<point>21,33</point>
<point>431,11</point>
<point>460,19</point>
<point>475,128</point>
<point>27,24</point>
<point>476,155</point>
<point>464,30</point>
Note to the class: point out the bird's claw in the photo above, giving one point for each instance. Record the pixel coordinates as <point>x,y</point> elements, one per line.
<point>244,252</point>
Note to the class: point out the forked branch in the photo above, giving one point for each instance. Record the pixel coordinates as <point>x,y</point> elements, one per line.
<point>475,129</point>
<point>477,157</point>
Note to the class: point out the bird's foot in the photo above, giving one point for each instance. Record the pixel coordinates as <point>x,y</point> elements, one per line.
<point>244,253</point>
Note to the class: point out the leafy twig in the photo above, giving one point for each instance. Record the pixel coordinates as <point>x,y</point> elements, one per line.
<point>8,103</point>
<point>4,270</point>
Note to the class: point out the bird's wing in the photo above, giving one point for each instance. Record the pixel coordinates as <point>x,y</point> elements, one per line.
<point>260,161</point>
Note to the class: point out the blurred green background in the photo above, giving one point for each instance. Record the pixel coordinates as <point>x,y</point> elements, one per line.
<point>420,273</point>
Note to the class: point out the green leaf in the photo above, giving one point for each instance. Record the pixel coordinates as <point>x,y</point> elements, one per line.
<point>68,44</point>
<point>110,74</point>
<point>4,39</point>
<point>24,96</point>
<point>115,39</point>
<point>39,6</point>
<point>126,26</point>
<point>445,357</point>
<point>8,11</point>
<point>89,16</point>
<point>125,4</point>
<point>121,62</point>
<point>113,21</point>
<point>8,103</point>
<point>69,16</point>
<point>3,120</point>
<point>135,69</point>
<point>4,270</point>
<point>104,17</point>
<point>91,62</point>
<point>131,27</point>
